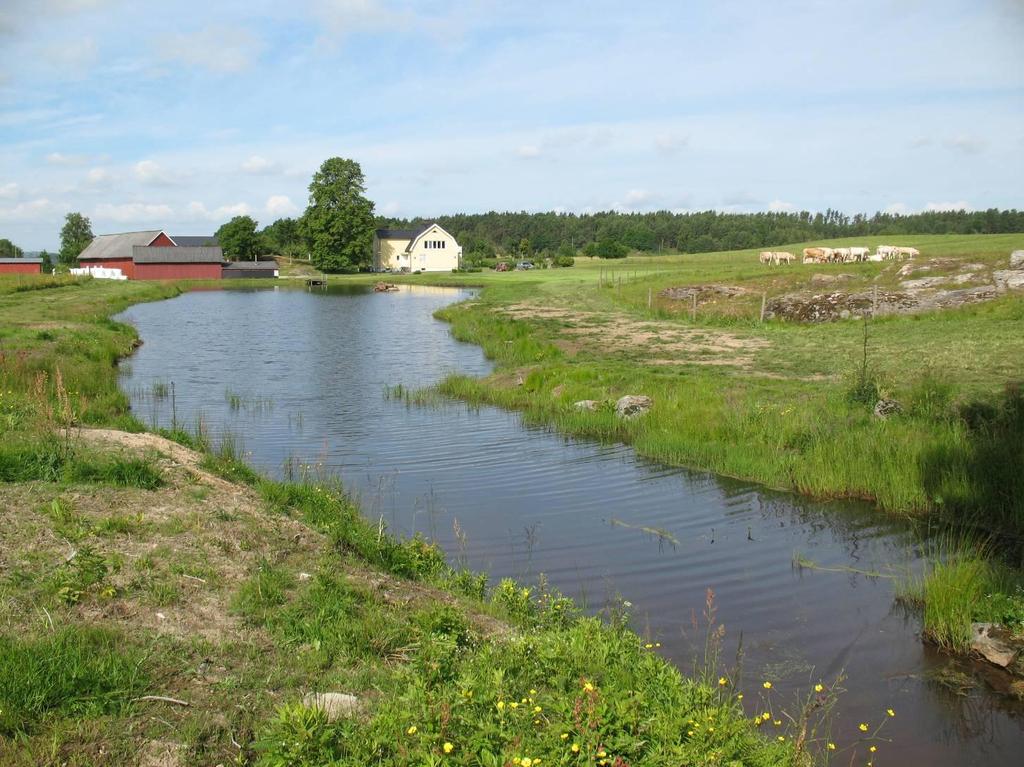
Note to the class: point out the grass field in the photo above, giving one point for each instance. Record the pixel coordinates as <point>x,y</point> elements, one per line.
<point>776,402</point>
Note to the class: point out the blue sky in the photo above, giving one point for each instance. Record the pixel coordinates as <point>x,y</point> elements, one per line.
<point>180,115</point>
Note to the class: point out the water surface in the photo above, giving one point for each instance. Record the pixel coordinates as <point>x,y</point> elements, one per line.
<point>302,375</point>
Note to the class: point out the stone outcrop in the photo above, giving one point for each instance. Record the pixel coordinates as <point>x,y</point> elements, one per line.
<point>633,405</point>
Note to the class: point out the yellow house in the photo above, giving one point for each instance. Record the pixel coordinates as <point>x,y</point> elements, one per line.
<point>427,249</point>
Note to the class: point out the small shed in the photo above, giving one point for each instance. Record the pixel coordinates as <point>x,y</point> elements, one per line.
<point>249,269</point>
<point>21,265</point>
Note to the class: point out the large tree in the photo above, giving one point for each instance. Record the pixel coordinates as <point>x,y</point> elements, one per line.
<point>9,250</point>
<point>283,238</point>
<point>75,236</point>
<point>338,223</point>
<point>238,238</point>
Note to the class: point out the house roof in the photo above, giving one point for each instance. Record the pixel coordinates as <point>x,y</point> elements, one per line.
<point>143,255</point>
<point>248,265</point>
<point>117,245</point>
<point>21,260</point>
<point>403,234</point>
<point>194,240</point>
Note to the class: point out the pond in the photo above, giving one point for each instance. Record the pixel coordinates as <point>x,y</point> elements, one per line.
<point>803,588</point>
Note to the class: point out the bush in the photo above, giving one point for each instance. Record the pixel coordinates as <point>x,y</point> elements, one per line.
<point>564,261</point>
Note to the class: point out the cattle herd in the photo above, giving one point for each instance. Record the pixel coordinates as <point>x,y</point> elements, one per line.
<point>839,255</point>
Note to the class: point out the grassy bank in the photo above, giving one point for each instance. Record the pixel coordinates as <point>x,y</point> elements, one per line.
<point>163,605</point>
<point>785,404</point>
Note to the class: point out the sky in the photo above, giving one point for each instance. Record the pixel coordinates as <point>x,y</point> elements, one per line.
<point>179,115</point>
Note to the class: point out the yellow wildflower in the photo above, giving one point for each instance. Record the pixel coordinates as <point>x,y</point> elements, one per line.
<point>722,681</point>
<point>767,685</point>
<point>564,736</point>
<point>533,692</point>
<point>740,696</point>
<point>575,748</point>
<point>412,730</point>
<point>649,646</point>
<point>501,705</point>
<point>862,727</point>
<point>819,687</point>
<point>513,704</point>
<point>588,687</point>
<point>448,747</point>
<point>890,712</point>
<point>526,761</point>
<point>602,754</point>
<point>831,746</point>
<point>873,749</point>
<point>537,709</point>
<point>782,738</point>
<point>766,716</point>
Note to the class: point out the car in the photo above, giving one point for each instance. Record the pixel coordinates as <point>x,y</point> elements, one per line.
<point>524,265</point>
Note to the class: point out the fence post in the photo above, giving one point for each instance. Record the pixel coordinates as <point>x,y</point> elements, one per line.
<point>693,309</point>
<point>650,292</point>
<point>764,300</point>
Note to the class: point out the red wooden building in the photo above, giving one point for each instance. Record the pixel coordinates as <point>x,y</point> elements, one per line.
<point>21,265</point>
<point>152,255</point>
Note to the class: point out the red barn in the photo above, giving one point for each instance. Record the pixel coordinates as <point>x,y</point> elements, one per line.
<point>151,255</point>
<point>21,265</point>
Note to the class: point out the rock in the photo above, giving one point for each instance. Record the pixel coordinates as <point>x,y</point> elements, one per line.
<point>1009,279</point>
<point>304,576</point>
<point>987,640</point>
<point>922,282</point>
<point>1017,259</point>
<point>587,404</point>
<point>826,279</point>
<point>887,407</point>
<point>336,705</point>
<point>633,405</point>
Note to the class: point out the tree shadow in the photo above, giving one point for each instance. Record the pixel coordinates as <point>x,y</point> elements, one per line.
<point>978,482</point>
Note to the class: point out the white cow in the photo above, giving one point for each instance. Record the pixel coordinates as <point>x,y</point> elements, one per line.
<point>859,254</point>
<point>840,254</point>
<point>886,251</point>
<point>784,257</point>
<point>908,252</point>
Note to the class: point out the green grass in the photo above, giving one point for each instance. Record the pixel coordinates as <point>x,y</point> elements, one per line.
<point>965,583</point>
<point>74,672</point>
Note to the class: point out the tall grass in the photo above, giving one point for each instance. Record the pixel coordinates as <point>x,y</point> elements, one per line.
<point>74,672</point>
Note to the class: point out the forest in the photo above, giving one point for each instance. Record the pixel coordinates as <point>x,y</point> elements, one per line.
<point>483,235</point>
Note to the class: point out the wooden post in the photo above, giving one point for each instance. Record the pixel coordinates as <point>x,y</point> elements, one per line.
<point>693,309</point>
<point>874,299</point>
<point>764,300</point>
<point>650,292</point>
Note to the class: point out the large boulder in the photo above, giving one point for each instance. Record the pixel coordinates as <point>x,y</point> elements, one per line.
<point>1009,279</point>
<point>989,641</point>
<point>633,405</point>
<point>337,705</point>
<point>1017,259</point>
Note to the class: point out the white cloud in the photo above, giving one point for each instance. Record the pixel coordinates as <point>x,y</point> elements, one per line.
<point>259,165</point>
<point>197,209</point>
<point>57,158</point>
<point>940,206</point>
<point>390,208</point>
<point>72,57</point>
<point>98,176</point>
<point>528,151</point>
<point>9,191</point>
<point>342,18</point>
<point>667,143</point>
<point>223,49</point>
<point>280,205</point>
<point>966,144</point>
<point>920,142</point>
<point>132,212</point>
<point>897,208</point>
<point>778,206</point>
<point>30,210</point>
<point>151,172</point>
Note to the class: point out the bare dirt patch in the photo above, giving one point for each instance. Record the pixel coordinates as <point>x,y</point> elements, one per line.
<point>653,342</point>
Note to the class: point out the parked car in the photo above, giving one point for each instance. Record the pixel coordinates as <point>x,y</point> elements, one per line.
<point>524,265</point>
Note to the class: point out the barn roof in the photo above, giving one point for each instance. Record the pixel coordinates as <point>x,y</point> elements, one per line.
<point>117,245</point>
<point>194,240</point>
<point>251,265</point>
<point>21,260</point>
<point>143,255</point>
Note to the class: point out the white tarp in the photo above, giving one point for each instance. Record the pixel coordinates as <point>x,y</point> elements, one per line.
<point>99,273</point>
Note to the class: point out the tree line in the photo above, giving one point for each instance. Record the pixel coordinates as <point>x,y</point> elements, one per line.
<point>336,230</point>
